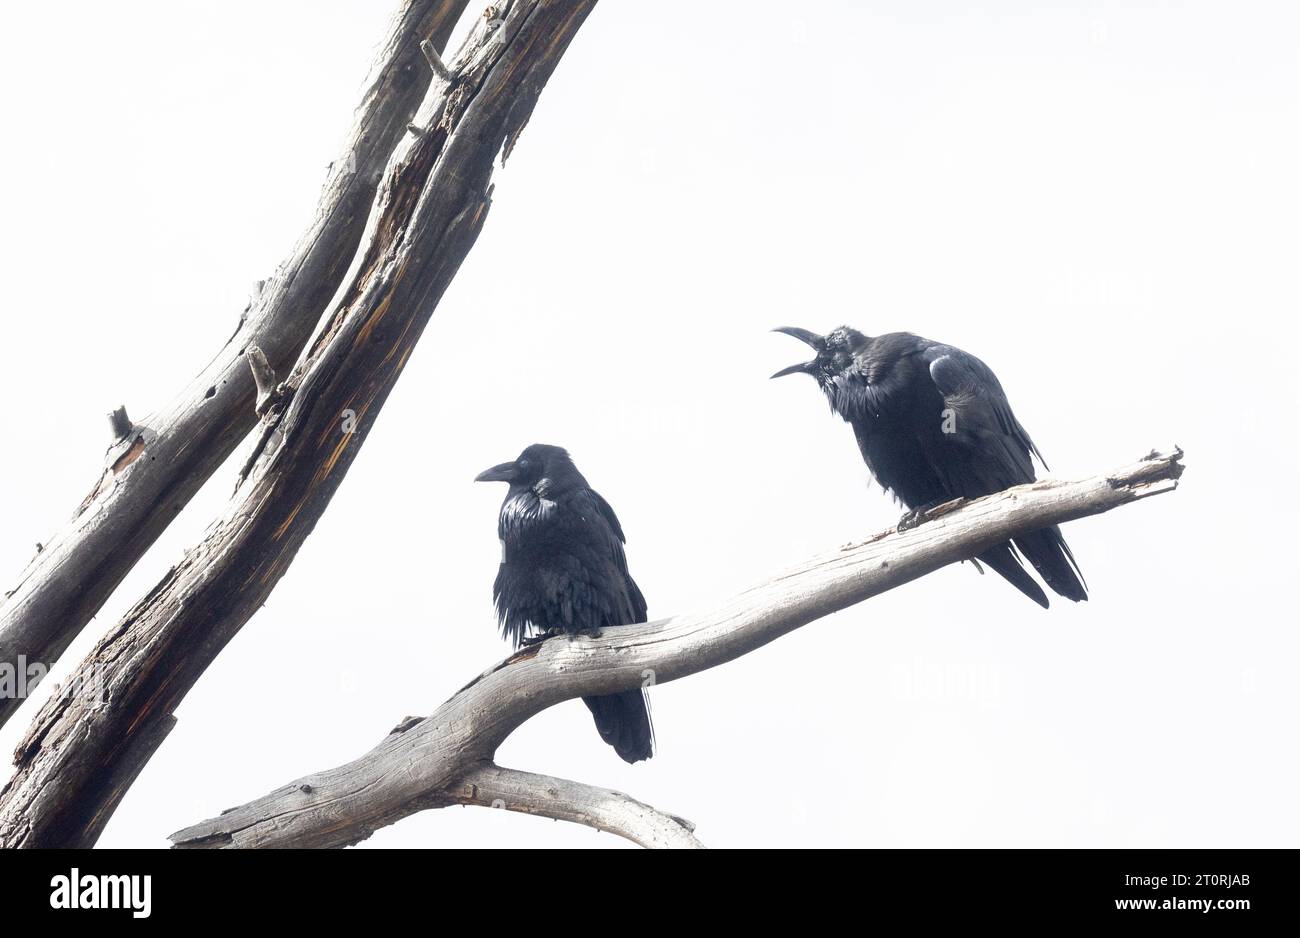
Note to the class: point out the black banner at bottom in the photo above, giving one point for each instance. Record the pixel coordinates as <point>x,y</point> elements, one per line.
<point>138,888</point>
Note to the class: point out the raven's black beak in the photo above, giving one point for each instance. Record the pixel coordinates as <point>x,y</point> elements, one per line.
<point>804,336</point>
<point>803,368</point>
<point>808,338</point>
<point>505,472</point>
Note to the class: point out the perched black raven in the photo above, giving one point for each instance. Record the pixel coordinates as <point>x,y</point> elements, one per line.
<point>933,424</point>
<point>563,570</point>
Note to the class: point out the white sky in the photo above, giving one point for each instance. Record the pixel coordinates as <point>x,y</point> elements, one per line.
<point>1099,199</point>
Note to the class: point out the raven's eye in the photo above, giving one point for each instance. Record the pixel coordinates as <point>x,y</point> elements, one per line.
<point>524,463</point>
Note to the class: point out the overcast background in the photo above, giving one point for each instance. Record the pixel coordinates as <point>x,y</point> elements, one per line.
<point>1099,199</point>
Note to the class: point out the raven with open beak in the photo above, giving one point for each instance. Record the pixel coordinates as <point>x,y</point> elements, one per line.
<point>933,424</point>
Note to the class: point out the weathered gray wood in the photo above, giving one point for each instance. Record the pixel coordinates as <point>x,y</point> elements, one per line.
<point>120,423</point>
<point>435,61</point>
<point>155,467</point>
<point>491,786</point>
<point>268,386</point>
<point>430,207</point>
<point>425,762</point>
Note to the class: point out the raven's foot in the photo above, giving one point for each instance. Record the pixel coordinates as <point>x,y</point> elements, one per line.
<point>916,517</point>
<point>927,512</point>
<point>911,519</point>
<point>530,640</point>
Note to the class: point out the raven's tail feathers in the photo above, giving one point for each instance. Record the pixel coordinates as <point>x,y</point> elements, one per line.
<point>1051,557</point>
<point>624,723</point>
<point>1047,551</point>
<point>1002,558</point>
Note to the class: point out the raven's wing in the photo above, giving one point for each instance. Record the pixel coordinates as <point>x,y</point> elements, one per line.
<point>623,719</point>
<point>579,583</point>
<point>635,609</point>
<point>985,447</point>
<point>606,511</point>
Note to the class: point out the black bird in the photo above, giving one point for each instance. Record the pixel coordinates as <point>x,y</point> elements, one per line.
<point>933,424</point>
<point>563,571</point>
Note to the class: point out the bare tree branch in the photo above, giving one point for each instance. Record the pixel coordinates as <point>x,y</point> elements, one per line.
<point>135,498</point>
<point>435,61</point>
<point>264,379</point>
<point>491,786</point>
<point>421,764</point>
<point>430,207</point>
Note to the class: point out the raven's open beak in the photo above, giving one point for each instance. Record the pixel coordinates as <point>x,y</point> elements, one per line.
<point>808,338</point>
<point>804,336</point>
<point>803,368</point>
<point>505,472</point>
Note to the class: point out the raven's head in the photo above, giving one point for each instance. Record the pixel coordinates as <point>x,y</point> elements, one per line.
<point>542,468</point>
<point>835,352</point>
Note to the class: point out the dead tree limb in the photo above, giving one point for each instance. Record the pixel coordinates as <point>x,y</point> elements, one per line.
<point>135,498</point>
<point>492,786</point>
<point>426,763</point>
<point>430,207</point>
<point>435,61</point>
